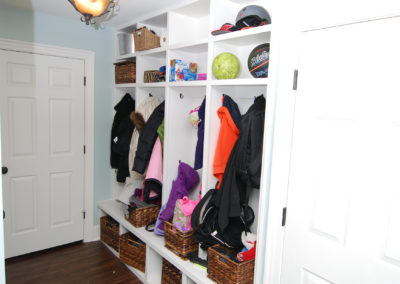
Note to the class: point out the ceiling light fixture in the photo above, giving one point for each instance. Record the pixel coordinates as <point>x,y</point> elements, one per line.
<point>91,9</point>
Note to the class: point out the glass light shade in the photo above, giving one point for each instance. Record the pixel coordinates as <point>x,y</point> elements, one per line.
<point>92,7</point>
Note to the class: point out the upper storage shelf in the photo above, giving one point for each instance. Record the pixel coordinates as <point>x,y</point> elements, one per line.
<point>190,23</point>
<point>125,45</point>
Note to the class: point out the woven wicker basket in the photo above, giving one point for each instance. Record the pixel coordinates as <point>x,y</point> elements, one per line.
<point>222,269</point>
<point>144,39</point>
<point>109,232</point>
<point>179,242</point>
<point>170,274</point>
<point>125,72</point>
<point>150,76</point>
<point>132,251</point>
<point>143,216</point>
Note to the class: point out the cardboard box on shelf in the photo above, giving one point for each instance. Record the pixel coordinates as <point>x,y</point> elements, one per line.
<point>182,71</point>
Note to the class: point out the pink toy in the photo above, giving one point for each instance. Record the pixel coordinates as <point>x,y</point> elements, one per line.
<point>183,212</point>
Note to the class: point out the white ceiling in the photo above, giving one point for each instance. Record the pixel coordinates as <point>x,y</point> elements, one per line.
<point>129,10</point>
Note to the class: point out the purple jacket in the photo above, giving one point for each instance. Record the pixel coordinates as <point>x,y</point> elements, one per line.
<point>184,183</point>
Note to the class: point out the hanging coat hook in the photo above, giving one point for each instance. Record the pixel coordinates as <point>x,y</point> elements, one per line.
<point>179,161</point>
<point>181,96</point>
<point>150,95</point>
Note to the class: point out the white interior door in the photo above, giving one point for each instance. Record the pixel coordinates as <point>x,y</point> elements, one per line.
<point>343,213</point>
<point>42,132</point>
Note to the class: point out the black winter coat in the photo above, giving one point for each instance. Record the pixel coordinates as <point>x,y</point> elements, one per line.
<point>147,139</point>
<point>243,169</point>
<point>121,133</point>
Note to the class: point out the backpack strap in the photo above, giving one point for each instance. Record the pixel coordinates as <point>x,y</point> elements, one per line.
<point>199,209</point>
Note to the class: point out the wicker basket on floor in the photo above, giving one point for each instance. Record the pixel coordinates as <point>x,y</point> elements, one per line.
<point>132,251</point>
<point>143,216</point>
<point>179,242</point>
<point>125,72</point>
<point>170,274</point>
<point>109,232</point>
<point>224,270</point>
<point>144,39</point>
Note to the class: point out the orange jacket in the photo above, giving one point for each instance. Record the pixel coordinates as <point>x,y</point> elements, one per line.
<point>227,137</point>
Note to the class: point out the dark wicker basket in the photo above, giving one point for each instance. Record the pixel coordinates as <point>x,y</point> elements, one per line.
<point>109,232</point>
<point>125,72</point>
<point>144,39</point>
<point>132,251</point>
<point>170,274</point>
<point>143,216</point>
<point>222,269</point>
<point>179,242</point>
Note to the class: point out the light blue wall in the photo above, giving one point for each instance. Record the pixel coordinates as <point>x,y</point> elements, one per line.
<point>46,29</point>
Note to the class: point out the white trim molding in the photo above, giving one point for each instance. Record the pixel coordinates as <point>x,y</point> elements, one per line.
<point>88,57</point>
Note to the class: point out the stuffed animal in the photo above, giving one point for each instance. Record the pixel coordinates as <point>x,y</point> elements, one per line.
<point>249,241</point>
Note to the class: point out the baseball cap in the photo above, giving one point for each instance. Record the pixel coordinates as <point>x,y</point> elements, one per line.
<point>225,28</point>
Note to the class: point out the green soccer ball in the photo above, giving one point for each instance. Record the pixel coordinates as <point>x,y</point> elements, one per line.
<point>226,66</point>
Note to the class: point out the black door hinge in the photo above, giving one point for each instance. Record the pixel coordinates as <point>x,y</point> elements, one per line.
<point>84,81</point>
<point>4,214</point>
<point>84,149</point>
<point>284,217</point>
<point>295,75</point>
<point>84,214</point>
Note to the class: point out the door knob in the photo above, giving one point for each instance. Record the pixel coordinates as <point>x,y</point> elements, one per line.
<point>4,170</point>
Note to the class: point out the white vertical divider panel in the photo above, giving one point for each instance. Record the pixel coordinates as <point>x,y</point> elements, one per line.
<point>153,266</point>
<point>167,143</point>
<point>206,149</point>
<point>122,230</point>
<point>187,280</point>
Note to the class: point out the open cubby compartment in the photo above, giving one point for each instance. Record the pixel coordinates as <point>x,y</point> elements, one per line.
<point>124,43</point>
<point>190,54</point>
<point>189,23</point>
<point>244,98</point>
<point>121,91</point>
<point>180,135</point>
<point>159,25</point>
<point>145,92</point>
<point>226,11</point>
<point>241,47</point>
<point>152,61</point>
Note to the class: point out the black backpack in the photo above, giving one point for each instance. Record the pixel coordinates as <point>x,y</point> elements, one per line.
<point>204,222</point>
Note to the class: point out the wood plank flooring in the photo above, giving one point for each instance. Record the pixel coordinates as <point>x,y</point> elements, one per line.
<point>73,263</point>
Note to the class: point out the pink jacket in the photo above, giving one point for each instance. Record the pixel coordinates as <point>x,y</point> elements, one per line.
<point>155,168</point>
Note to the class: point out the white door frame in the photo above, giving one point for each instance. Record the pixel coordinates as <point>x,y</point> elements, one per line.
<point>88,58</point>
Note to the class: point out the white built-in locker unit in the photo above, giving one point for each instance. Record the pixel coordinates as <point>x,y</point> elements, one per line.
<point>187,30</point>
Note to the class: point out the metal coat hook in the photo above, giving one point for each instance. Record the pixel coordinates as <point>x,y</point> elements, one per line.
<point>179,161</point>
<point>150,95</point>
<point>181,96</point>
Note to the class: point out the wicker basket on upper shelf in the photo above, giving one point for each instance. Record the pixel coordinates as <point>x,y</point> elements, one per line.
<point>140,217</point>
<point>125,72</point>
<point>145,39</point>
<point>179,242</point>
<point>150,76</point>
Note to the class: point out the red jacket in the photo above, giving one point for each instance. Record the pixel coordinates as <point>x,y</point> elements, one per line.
<point>227,137</point>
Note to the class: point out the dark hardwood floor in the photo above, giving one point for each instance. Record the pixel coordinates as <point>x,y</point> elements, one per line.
<point>74,263</point>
